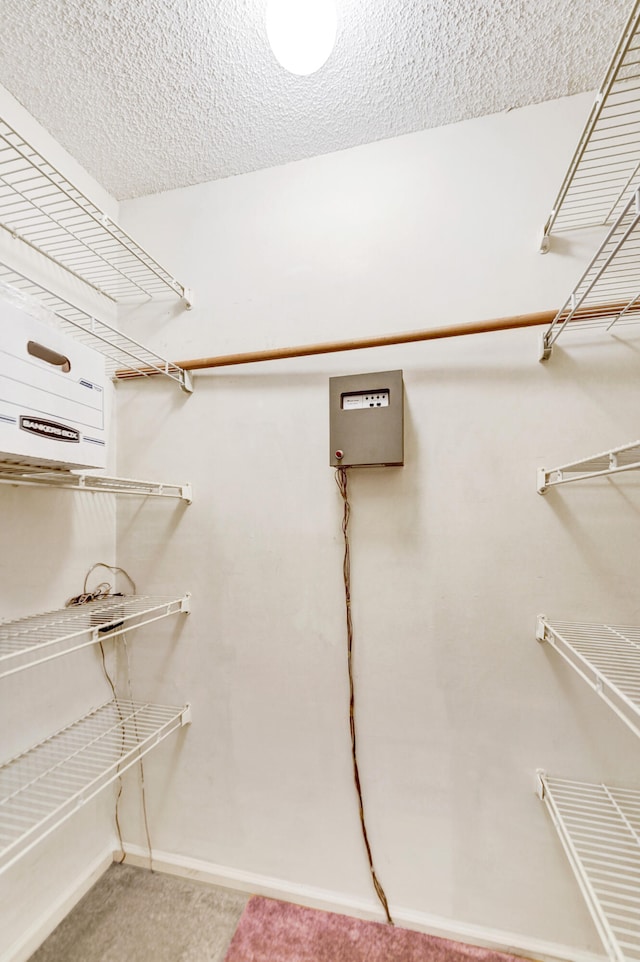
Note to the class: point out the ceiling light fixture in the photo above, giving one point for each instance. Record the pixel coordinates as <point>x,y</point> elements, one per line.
<point>302,33</point>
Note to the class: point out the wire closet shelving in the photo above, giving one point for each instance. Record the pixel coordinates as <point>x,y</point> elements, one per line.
<point>29,641</point>
<point>121,353</point>
<point>607,463</point>
<point>599,828</point>
<point>40,207</point>
<point>26,474</point>
<point>607,658</point>
<point>608,293</point>
<point>42,787</point>
<point>606,161</point>
<point>600,188</point>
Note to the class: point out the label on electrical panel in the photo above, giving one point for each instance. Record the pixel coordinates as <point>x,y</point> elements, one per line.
<point>365,399</point>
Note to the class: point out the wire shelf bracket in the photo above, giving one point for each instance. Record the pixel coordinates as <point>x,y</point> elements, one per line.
<point>606,657</point>
<point>41,208</point>
<point>608,463</point>
<point>607,158</point>
<point>25,642</point>
<point>41,788</point>
<point>27,474</point>
<point>599,828</point>
<point>608,293</point>
<point>120,351</point>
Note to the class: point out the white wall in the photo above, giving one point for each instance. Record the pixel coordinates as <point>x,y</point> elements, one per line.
<point>48,541</point>
<point>453,555</point>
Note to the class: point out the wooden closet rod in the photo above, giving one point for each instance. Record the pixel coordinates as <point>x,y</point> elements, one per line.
<point>357,344</point>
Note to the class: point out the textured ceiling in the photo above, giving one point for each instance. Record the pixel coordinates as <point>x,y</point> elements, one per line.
<point>154,94</point>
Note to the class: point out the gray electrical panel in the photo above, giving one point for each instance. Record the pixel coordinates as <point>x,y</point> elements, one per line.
<point>366,419</point>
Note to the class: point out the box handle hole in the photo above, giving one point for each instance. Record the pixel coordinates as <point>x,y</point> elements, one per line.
<point>51,357</point>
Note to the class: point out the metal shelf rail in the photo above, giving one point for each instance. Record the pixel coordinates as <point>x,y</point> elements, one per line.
<point>607,657</point>
<point>607,158</point>
<point>26,474</point>
<point>599,828</point>
<point>121,352</point>
<point>608,292</point>
<point>40,207</point>
<point>43,786</point>
<point>615,461</point>
<point>25,642</point>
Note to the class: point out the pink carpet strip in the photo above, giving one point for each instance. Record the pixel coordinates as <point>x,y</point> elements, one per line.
<point>271,931</point>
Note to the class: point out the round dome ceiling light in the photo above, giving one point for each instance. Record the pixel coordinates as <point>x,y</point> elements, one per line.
<point>302,33</point>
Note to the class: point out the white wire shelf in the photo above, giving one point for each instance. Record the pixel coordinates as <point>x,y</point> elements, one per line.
<point>607,158</point>
<point>25,642</point>
<point>43,209</point>
<point>42,787</point>
<point>121,353</point>
<point>608,293</point>
<point>614,461</point>
<point>599,828</point>
<point>27,474</point>
<point>607,657</point>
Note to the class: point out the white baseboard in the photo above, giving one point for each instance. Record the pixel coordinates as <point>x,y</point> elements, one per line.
<point>38,931</point>
<point>358,908</point>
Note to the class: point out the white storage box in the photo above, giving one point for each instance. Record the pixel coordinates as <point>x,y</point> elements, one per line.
<point>51,395</point>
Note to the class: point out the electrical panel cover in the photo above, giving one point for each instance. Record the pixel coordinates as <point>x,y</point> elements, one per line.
<point>367,419</point>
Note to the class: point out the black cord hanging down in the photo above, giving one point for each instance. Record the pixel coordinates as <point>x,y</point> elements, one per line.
<point>341,481</point>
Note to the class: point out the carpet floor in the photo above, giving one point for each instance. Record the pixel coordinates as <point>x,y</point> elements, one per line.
<point>133,915</point>
<point>271,931</point>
